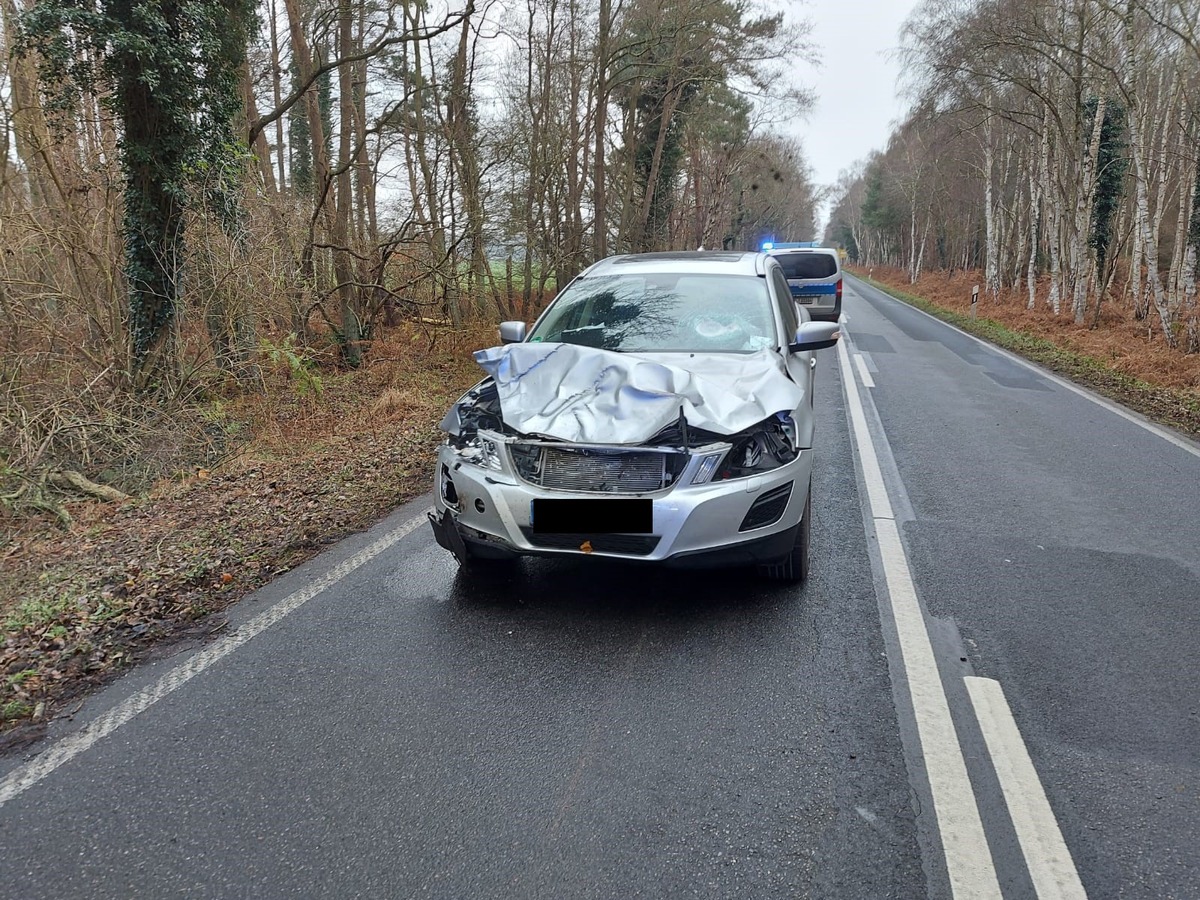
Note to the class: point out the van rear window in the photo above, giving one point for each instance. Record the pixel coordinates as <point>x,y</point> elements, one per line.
<point>807,265</point>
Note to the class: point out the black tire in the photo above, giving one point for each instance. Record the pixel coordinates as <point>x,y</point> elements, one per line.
<point>794,567</point>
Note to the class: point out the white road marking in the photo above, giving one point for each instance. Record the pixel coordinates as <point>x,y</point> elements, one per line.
<point>969,863</point>
<point>1046,854</point>
<point>863,372</point>
<point>881,506</point>
<point>1180,442</point>
<point>27,775</point>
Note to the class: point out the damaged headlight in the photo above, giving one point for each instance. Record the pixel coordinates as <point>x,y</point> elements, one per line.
<point>708,465</point>
<point>761,448</point>
<point>479,450</point>
<point>476,410</point>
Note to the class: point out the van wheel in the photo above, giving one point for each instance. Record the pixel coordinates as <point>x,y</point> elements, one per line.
<point>794,567</point>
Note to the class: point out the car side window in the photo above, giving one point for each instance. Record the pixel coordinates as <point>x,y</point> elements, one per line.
<point>787,305</point>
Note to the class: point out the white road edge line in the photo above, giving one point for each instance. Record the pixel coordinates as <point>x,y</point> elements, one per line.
<point>969,863</point>
<point>1182,443</point>
<point>864,373</point>
<point>1050,865</point>
<point>67,748</point>
<point>877,497</point>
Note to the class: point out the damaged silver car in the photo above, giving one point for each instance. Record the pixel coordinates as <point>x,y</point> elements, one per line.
<point>660,410</point>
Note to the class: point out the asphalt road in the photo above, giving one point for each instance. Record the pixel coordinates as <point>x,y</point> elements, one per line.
<point>378,725</point>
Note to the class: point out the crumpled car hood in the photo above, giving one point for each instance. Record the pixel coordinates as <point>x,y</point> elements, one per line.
<point>586,395</point>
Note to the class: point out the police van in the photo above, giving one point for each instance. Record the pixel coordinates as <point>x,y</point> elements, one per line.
<point>814,274</point>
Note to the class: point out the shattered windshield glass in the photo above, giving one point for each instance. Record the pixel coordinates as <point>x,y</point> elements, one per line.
<point>665,312</point>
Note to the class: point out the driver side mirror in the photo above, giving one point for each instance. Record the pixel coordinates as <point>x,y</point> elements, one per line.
<point>815,336</point>
<point>512,332</point>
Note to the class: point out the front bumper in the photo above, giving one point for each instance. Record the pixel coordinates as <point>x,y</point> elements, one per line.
<point>486,513</point>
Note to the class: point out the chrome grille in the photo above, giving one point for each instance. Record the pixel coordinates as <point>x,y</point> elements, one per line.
<point>605,471</point>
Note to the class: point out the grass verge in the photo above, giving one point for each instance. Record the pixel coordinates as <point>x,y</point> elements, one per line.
<point>1175,407</point>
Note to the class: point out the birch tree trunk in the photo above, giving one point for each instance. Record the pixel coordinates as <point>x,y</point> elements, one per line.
<point>912,243</point>
<point>1149,246</point>
<point>1191,266</point>
<point>924,240</point>
<point>992,242</point>
<point>1051,202</point>
<point>1016,240</point>
<point>1034,204</point>
<point>1081,262</point>
<point>1183,198</point>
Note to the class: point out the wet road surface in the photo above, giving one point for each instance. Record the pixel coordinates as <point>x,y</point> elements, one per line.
<point>582,729</point>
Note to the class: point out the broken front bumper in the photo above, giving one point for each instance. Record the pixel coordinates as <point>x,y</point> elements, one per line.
<point>485,513</point>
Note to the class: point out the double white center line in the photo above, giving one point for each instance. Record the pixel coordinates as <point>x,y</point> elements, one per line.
<point>969,864</point>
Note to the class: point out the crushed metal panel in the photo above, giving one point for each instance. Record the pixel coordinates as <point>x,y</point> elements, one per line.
<point>587,395</point>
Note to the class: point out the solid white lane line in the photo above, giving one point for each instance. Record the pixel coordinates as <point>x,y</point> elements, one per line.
<point>863,372</point>
<point>969,863</point>
<point>877,496</point>
<point>67,748</point>
<point>1050,865</point>
<point>1182,443</point>
<point>968,857</point>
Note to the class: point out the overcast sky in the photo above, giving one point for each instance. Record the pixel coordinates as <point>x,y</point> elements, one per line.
<point>856,84</point>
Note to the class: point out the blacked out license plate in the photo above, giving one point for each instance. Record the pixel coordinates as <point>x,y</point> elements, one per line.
<point>633,515</point>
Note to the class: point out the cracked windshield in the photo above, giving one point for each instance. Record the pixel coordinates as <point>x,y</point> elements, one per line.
<point>662,313</point>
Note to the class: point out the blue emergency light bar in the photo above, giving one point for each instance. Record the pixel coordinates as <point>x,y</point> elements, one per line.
<point>790,245</point>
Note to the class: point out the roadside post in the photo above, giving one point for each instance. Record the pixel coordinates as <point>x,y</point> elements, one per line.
<point>974,299</point>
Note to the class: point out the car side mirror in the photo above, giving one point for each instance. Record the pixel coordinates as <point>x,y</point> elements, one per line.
<point>815,336</point>
<point>512,332</point>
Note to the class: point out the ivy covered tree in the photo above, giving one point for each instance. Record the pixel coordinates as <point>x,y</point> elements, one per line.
<point>1112,161</point>
<point>168,70</point>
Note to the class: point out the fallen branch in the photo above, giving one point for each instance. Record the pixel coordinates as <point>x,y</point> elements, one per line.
<point>86,486</point>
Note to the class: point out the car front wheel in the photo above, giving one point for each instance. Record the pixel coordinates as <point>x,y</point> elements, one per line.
<point>794,567</point>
